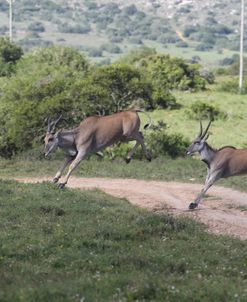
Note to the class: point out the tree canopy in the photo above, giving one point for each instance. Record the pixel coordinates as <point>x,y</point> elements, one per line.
<point>55,80</point>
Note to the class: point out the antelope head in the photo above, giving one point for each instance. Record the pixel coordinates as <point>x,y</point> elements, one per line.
<point>51,137</point>
<point>200,141</point>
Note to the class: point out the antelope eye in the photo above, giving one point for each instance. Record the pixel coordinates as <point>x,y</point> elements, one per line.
<point>51,139</point>
<point>197,143</point>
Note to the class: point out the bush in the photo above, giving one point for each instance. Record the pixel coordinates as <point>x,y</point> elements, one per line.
<point>207,75</point>
<point>75,29</point>
<point>111,48</point>
<point>189,30</point>
<point>9,55</point>
<point>95,52</point>
<point>158,141</point>
<point>203,47</point>
<point>232,86</point>
<point>200,110</point>
<point>135,40</point>
<point>226,61</point>
<point>182,44</point>
<point>3,29</point>
<point>36,26</point>
<point>234,68</point>
<point>130,10</point>
<point>168,38</point>
<point>162,143</point>
<point>116,39</point>
<point>40,88</point>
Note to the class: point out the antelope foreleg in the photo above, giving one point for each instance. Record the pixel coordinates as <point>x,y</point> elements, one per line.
<point>67,161</point>
<point>79,157</point>
<point>210,180</point>
<point>131,153</point>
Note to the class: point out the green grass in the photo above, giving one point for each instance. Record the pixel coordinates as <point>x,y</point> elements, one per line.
<point>209,59</point>
<point>163,168</point>
<point>69,245</point>
<point>231,131</point>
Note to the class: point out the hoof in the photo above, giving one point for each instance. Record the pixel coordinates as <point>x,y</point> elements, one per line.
<point>127,160</point>
<point>55,180</point>
<point>148,156</point>
<point>193,205</point>
<point>61,185</point>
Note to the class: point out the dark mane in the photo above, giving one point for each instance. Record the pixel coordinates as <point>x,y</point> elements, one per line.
<point>211,148</point>
<point>226,147</point>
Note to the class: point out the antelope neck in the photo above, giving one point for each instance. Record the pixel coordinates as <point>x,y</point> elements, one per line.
<point>207,154</point>
<point>67,140</point>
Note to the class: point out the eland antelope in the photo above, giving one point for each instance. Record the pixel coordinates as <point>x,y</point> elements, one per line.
<point>93,135</point>
<point>224,162</point>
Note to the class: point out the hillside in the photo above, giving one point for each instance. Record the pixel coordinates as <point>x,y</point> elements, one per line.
<point>106,29</point>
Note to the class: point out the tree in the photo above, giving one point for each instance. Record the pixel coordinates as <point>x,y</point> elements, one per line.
<point>40,88</point>
<point>9,55</point>
<point>110,89</point>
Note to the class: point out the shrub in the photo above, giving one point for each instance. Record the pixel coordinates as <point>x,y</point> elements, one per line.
<point>9,55</point>
<point>200,110</point>
<point>75,29</point>
<point>226,61</point>
<point>116,39</point>
<point>222,29</point>
<point>162,143</point>
<point>189,30</point>
<point>36,26</point>
<point>95,52</point>
<point>168,38</point>
<point>135,40</point>
<point>232,86</point>
<point>130,10</point>
<point>182,44</point>
<point>170,72</point>
<point>203,47</point>
<point>111,48</point>
<point>234,68</point>
<point>3,29</point>
<point>158,141</point>
<point>40,88</point>
<point>207,75</point>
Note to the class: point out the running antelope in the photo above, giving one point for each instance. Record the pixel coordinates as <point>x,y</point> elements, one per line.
<point>93,135</point>
<point>224,162</point>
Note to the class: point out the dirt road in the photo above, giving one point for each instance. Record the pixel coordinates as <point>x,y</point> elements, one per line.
<point>221,211</point>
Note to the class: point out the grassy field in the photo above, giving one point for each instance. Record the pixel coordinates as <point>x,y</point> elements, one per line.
<point>208,59</point>
<point>87,246</point>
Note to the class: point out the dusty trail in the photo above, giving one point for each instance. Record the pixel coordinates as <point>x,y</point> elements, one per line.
<point>174,197</point>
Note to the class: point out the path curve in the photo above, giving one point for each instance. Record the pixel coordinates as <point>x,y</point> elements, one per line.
<point>174,197</point>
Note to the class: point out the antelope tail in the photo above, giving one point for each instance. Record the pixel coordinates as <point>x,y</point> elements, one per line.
<point>148,125</point>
